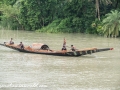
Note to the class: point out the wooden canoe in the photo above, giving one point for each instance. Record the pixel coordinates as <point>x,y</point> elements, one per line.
<point>44,49</point>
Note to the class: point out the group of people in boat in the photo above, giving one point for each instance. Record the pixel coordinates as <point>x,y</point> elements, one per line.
<point>20,45</point>
<point>64,46</point>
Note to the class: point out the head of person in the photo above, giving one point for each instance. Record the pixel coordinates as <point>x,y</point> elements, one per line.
<point>11,38</point>
<point>21,42</point>
<point>71,45</point>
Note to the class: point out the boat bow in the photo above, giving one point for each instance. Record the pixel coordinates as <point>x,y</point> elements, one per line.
<point>104,49</point>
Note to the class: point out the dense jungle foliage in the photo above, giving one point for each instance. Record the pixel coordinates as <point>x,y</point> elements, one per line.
<point>72,16</point>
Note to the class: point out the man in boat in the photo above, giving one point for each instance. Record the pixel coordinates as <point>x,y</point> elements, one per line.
<point>11,42</point>
<point>64,45</point>
<point>73,48</point>
<point>21,45</point>
<point>64,48</point>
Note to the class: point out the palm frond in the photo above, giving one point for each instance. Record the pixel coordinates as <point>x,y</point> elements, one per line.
<point>111,24</point>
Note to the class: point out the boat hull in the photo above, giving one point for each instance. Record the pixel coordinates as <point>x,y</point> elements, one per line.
<point>28,49</point>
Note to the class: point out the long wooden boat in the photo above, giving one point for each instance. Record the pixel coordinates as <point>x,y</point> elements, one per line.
<point>44,49</point>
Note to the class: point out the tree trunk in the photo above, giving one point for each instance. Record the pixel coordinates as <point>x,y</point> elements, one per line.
<point>97,10</point>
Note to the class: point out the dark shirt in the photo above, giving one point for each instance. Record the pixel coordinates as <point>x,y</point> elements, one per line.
<point>73,48</point>
<point>11,42</point>
<point>64,48</point>
<point>21,46</point>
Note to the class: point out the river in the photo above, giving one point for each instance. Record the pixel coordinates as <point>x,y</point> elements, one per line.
<point>24,71</point>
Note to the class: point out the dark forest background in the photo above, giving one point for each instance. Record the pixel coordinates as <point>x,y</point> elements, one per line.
<point>66,16</point>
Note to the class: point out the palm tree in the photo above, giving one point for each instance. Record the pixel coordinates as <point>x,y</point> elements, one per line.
<point>111,24</point>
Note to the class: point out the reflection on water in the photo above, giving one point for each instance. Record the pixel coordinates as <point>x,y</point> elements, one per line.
<point>99,71</point>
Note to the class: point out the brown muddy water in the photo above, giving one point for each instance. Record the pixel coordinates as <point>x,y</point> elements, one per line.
<point>24,71</point>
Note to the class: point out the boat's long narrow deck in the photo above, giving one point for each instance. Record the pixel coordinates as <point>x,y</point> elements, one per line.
<point>79,52</point>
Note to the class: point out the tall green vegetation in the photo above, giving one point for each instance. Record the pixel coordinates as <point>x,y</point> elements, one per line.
<point>71,16</point>
<point>9,14</point>
<point>111,24</point>
<point>36,14</point>
<point>75,16</point>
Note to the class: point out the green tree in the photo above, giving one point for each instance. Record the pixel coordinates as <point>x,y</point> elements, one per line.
<point>81,14</point>
<point>9,13</point>
<point>37,13</point>
<point>9,16</point>
<point>111,24</point>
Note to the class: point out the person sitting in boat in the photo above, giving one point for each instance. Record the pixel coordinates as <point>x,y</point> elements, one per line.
<point>64,48</point>
<point>21,45</point>
<point>11,42</point>
<point>64,45</point>
<point>73,48</point>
